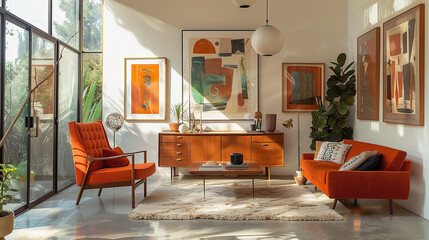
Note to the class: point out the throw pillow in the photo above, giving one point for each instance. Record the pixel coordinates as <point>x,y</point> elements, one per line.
<point>335,152</point>
<point>371,164</point>
<point>115,162</point>
<point>356,161</point>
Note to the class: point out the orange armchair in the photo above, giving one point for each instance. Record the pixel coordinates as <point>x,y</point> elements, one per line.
<point>88,141</point>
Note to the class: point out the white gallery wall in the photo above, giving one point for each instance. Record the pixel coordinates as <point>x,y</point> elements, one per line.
<point>314,31</point>
<point>364,15</point>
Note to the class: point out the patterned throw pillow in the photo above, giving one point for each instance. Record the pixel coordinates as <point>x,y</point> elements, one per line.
<point>356,161</point>
<point>335,152</point>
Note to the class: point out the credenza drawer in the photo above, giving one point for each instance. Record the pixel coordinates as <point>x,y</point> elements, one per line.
<point>268,157</point>
<point>267,146</point>
<point>174,146</point>
<point>174,161</point>
<point>268,138</point>
<point>174,138</point>
<point>179,154</point>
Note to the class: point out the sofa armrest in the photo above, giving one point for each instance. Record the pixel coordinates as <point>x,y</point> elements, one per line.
<point>368,184</point>
<point>308,156</point>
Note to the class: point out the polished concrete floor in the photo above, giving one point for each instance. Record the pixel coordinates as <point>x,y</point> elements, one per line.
<point>106,217</point>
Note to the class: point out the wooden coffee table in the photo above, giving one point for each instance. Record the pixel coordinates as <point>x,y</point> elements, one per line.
<point>254,169</point>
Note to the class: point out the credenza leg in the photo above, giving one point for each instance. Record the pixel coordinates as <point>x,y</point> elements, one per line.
<point>268,172</point>
<point>204,186</point>
<point>253,186</point>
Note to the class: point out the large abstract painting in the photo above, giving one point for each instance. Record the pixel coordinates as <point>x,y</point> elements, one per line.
<point>220,74</point>
<point>368,75</point>
<point>145,89</point>
<point>403,68</point>
<point>303,84</point>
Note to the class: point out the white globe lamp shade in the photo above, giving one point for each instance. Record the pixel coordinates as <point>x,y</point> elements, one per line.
<point>267,40</point>
<point>244,3</point>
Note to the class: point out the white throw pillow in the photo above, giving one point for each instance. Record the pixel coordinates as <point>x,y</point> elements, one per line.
<point>356,161</point>
<point>335,152</point>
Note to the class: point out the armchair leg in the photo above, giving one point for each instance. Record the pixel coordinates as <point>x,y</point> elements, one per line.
<point>334,204</point>
<point>315,188</point>
<point>133,196</point>
<point>145,187</point>
<point>391,206</point>
<point>355,201</point>
<point>99,191</point>
<point>82,187</point>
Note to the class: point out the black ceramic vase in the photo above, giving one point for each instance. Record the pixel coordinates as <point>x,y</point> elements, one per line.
<point>236,158</point>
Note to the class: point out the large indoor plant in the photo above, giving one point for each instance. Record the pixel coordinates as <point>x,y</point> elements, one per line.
<point>6,217</point>
<point>331,123</point>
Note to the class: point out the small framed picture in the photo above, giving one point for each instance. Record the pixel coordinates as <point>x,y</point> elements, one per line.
<point>145,89</point>
<point>303,85</point>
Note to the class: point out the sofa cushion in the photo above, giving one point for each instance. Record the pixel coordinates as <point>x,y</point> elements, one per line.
<point>393,159</point>
<point>371,164</point>
<point>335,152</point>
<point>318,169</point>
<point>356,161</point>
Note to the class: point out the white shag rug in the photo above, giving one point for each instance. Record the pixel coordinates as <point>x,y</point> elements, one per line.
<point>233,201</point>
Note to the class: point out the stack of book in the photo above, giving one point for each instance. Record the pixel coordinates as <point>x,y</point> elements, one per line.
<point>211,167</point>
<point>237,166</point>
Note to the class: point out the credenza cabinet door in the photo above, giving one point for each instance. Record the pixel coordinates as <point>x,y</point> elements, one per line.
<point>236,144</point>
<point>205,148</point>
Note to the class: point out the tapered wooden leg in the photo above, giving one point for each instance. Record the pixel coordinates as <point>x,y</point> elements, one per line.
<point>133,188</point>
<point>355,201</point>
<point>391,206</point>
<point>315,188</point>
<point>99,191</point>
<point>80,194</point>
<point>145,187</point>
<point>334,204</point>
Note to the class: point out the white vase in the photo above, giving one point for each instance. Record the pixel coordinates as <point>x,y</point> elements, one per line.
<point>183,128</point>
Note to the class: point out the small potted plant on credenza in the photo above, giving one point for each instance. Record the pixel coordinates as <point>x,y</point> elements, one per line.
<point>6,217</point>
<point>178,112</point>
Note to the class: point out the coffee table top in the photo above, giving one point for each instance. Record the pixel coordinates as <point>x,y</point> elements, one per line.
<point>254,169</point>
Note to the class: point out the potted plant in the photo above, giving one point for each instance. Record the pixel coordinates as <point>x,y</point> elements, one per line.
<point>18,179</point>
<point>331,123</point>
<point>6,217</point>
<point>178,111</point>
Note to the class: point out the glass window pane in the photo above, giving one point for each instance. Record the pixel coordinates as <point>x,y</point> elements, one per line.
<point>42,107</point>
<point>65,17</point>
<point>16,90</point>
<point>92,25</point>
<point>33,11</point>
<point>92,75</point>
<point>67,112</point>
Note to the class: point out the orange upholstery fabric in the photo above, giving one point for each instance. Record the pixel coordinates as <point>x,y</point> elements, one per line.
<point>393,159</point>
<point>121,174</point>
<point>393,182</point>
<point>116,162</point>
<point>319,169</point>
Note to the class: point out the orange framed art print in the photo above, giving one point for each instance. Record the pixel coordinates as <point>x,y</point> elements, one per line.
<point>145,89</point>
<point>303,84</point>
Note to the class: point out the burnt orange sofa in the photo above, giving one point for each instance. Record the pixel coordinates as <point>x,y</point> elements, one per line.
<point>391,182</point>
<point>88,141</point>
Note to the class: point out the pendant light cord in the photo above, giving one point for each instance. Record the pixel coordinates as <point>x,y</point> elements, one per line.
<point>267,14</point>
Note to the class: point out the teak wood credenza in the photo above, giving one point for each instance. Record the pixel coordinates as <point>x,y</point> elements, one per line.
<point>182,149</point>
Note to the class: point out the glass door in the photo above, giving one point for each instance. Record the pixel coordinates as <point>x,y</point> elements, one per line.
<point>42,118</point>
<point>16,90</point>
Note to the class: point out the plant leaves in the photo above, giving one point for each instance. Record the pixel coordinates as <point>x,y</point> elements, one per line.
<point>341,59</point>
<point>349,100</point>
<point>343,108</point>
<point>348,66</point>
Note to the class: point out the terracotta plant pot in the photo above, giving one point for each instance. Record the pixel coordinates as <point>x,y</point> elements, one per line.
<point>300,180</point>
<point>174,126</point>
<point>6,224</point>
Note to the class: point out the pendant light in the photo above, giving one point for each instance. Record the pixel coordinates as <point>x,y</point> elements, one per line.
<point>267,40</point>
<point>244,3</point>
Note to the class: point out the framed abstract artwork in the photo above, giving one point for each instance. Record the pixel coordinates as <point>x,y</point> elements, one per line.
<point>368,75</point>
<point>302,84</point>
<point>403,68</point>
<point>145,89</point>
<point>220,74</point>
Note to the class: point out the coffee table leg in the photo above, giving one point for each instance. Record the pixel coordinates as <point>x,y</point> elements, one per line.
<point>253,186</point>
<point>204,186</point>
